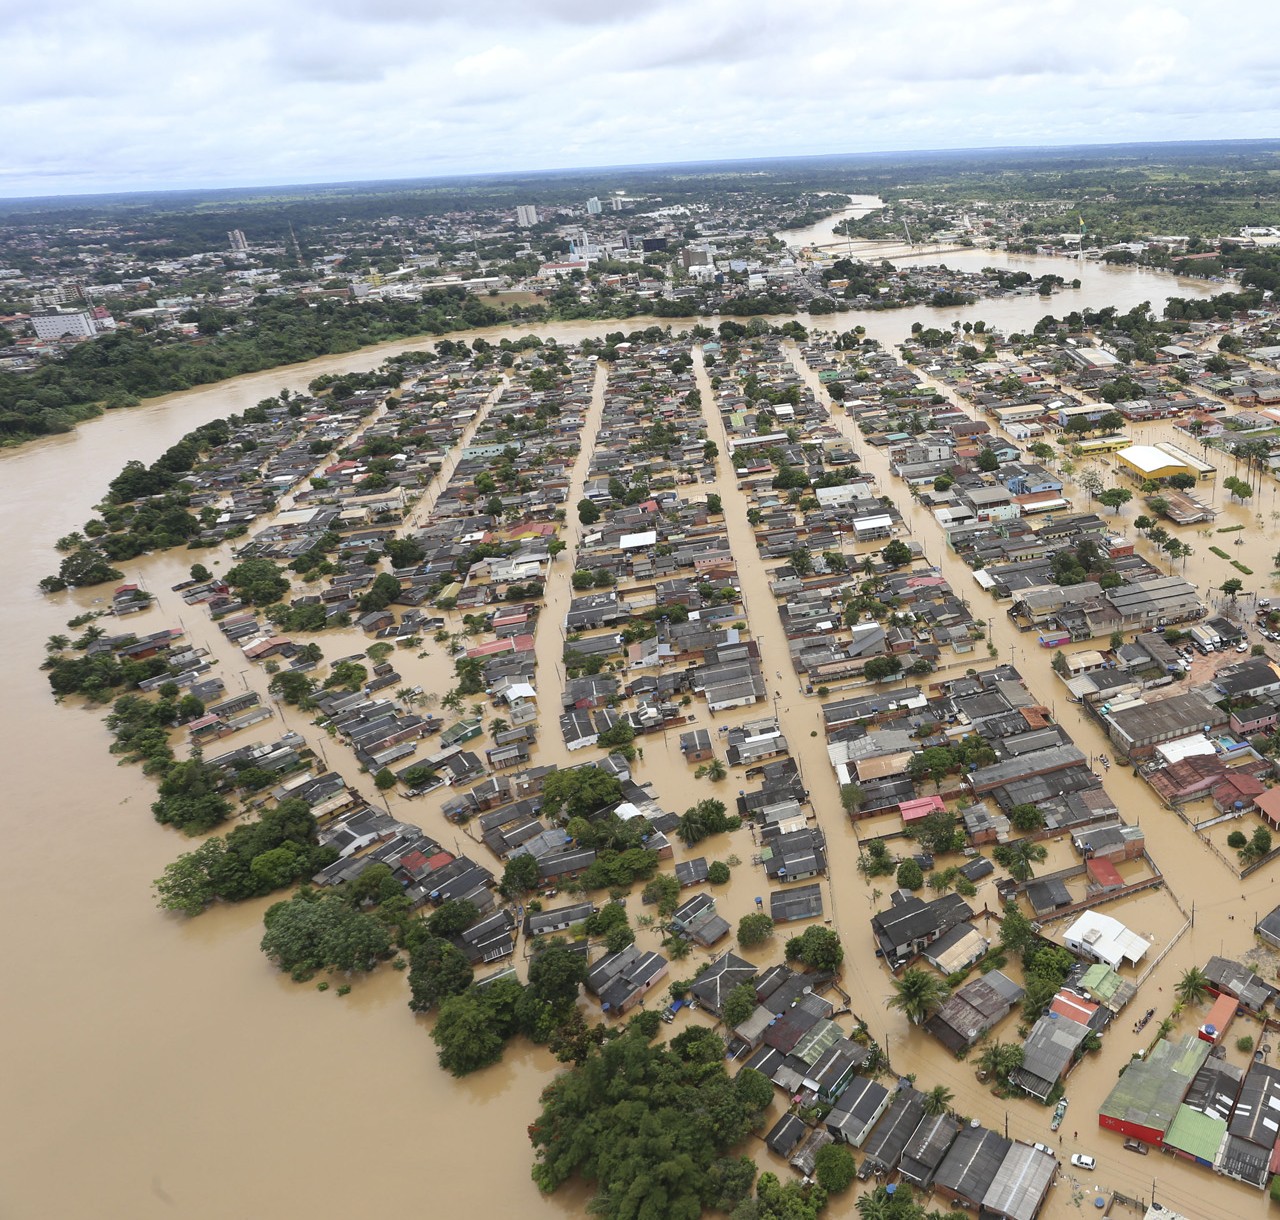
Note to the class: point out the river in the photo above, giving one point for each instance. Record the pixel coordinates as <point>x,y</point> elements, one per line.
<point>159,1067</point>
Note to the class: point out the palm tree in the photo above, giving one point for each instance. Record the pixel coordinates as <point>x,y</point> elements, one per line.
<point>938,1100</point>
<point>1193,986</point>
<point>916,994</point>
<point>498,725</point>
<point>1019,857</point>
<point>716,770</point>
<point>874,1206</point>
<point>1000,1058</point>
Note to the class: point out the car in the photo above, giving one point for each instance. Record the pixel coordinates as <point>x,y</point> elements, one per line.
<point>1242,647</point>
<point>1044,1148</point>
<point>1083,1161</point>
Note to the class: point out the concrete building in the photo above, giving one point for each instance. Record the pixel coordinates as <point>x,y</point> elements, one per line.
<point>77,325</point>
<point>526,215</point>
<point>1161,461</point>
<point>593,206</point>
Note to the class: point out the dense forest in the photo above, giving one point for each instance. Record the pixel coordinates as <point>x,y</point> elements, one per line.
<point>117,370</point>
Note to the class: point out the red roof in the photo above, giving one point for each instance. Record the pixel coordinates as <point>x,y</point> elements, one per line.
<point>922,807</point>
<point>1073,1007</point>
<point>1104,872</point>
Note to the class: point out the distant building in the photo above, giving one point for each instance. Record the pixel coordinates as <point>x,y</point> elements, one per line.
<point>77,325</point>
<point>593,206</point>
<point>616,203</point>
<point>526,215</point>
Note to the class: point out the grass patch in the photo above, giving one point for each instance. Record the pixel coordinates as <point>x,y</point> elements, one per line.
<point>1230,529</point>
<point>1221,554</point>
<point>1239,567</point>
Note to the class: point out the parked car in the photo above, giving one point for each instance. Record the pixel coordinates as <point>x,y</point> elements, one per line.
<point>1082,1161</point>
<point>1132,1145</point>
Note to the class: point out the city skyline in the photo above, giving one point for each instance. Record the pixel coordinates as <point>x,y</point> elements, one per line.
<point>164,98</point>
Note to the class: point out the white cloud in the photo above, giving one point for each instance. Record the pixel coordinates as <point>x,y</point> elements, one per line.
<point>140,94</point>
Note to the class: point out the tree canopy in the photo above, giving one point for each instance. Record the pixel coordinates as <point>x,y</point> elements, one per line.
<point>650,1126</point>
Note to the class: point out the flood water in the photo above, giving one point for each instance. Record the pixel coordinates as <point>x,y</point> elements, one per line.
<point>156,1066</point>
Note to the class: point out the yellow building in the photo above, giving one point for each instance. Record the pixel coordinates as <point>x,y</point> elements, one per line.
<point>1161,461</point>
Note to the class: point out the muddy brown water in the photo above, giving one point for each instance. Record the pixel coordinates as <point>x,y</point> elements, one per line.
<point>158,1067</point>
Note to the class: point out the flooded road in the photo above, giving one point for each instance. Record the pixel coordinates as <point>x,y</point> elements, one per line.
<point>159,1067</point>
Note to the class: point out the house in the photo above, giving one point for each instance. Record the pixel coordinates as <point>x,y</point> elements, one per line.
<point>696,746</point>
<point>1145,1099</point>
<point>1228,977</point>
<point>857,1110</point>
<point>911,924</point>
<point>956,950</point>
<point>559,919</point>
<point>713,985</point>
<point>1104,986</point>
<point>1251,1132</point>
<point>696,920</point>
<point>692,872</point>
<point>1021,1184</point>
<point>621,980</point>
<point>832,1071</point>
<point>883,1148</point>
<point>970,1166</point>
<point>926,1149</point>
<point>1048,1053</point>
<point>796,902</point>
<point>977,1007</point>
<point>1100,938</point>
<point>786,1134</point>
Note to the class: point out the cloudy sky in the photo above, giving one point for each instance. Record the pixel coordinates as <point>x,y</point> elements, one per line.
<point>145,94</point>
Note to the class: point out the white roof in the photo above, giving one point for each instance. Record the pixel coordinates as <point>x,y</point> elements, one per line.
<point>1185,747</point>
<point>1107,939</point>
<point>1148,457</point>
<point>647,538</point>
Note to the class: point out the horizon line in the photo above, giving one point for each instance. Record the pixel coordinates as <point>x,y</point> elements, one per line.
<point>474,175</point>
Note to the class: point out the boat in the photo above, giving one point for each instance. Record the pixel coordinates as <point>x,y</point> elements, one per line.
<point>1059,1113</point>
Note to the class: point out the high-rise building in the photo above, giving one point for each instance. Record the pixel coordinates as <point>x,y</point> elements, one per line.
<point>526,215</point>
<point>616,203</point>
<point>593,206</point>
<point>78,325</point>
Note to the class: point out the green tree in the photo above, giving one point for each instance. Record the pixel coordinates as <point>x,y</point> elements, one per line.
<point>465,1034</point>
<point>835,1168</point>
<point>1026,817</point>
<point>910,875</point>
<point>916,994</point>
<point>437,969</point>
<point>1018,857</point>
<point>664,892</point>
<point>1232,586</point>
<point>988,461</point>
<point>718,873</point>
<point>1115,498</point>
<point>579,791</point>
<point>896,553</point>
<point>938,1100</point>
<point>520,876</point>
<point>1193,986</point>
<point>187,884</point>
<point>754,930</point>
<point>311,932</point>
<point>817,947</point>
<point>739,1004</point>
<point>645,1124</point>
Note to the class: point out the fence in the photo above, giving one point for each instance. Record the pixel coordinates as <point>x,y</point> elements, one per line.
<point>1159,957</point>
